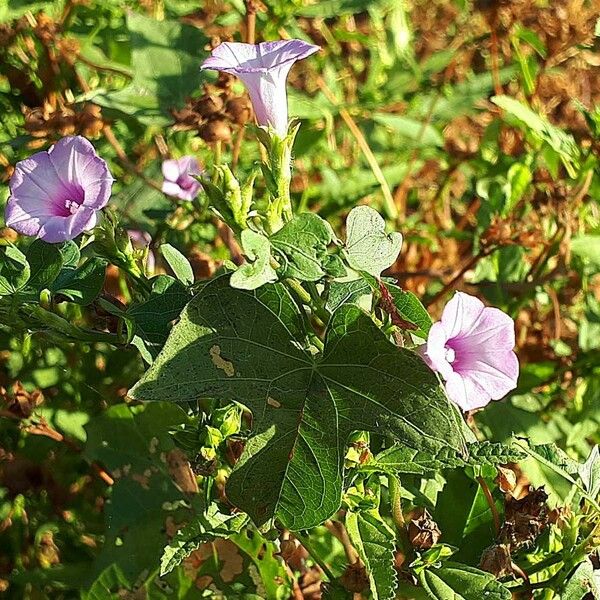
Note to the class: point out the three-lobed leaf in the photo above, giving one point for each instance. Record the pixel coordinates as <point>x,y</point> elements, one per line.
<point>247,347</point>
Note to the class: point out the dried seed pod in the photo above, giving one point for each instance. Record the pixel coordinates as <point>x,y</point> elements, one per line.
<point>69,49</point>
<point>186,116</point>
<point>7,34</point>
<point>215,131</point>
<point>423,531</point>
<point>511,141</point>
<point>8,234</point>
<point>497,560</point>
<point>525,519</point>
<point>209,105</point>
<point>203,264</point>
<point>239,109</point>
<point>19,401</point>
<point>46,29</point>
<point>354,578</point>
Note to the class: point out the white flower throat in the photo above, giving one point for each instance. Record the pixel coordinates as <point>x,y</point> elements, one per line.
<point>72,206</point>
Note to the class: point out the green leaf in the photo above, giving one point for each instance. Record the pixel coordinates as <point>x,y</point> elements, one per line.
<point>246,346</point>
<point>133,443</point>
<point>333,8</point>
<point>304,241</point>
<point>14,271</point>
<point>589,472</point>
<point>357,291</point>
<point>154,316</point>
<point>70,254</point>
<point>259,271</point>
<point>45,261</point>
<point>368,247</point>
<point>562,143</point>
<point>164,62</point>
<point>107,585</point>
<point>582,584</point>
<point>83,284</point>
<point>374,542</point>
<point>401,459</point>
<point>201,529</point>
<point>411,309</point>
<point>422,133</point>
<point>467,524</point>
<point>453,581</point>
<point>263,554</point>
<point>518,179</point>
<point>179,264</point>
<point>587,248</point>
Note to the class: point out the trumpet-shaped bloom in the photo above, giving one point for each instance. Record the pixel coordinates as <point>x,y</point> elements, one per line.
<point>178,177</point>
<point>264,69</point>
<point>471,347</point>
<point>55,195</point>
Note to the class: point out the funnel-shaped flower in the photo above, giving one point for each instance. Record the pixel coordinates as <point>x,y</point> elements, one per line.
<point>264,69</point>
<point>472,349</point>
<point>178,177</point>
<point>56,194</point>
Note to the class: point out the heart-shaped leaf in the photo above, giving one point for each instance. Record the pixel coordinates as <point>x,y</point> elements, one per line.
<point>247,346</point>
<point>45,261</point>
<point>368,247</point>
<point>304,241</point>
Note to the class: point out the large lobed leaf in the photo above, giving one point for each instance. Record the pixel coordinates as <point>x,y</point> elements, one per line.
<point>246,346</point>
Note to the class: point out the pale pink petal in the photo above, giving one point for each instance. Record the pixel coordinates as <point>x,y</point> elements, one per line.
<point>466,392</point>
<point>472,349</point>
<point>461,314</point>
<point>55,194</point>
<point>170,169</point>
<point>264,69</point>
<point>61,229</point>
<point>435,353</point>
<point>171,188</point>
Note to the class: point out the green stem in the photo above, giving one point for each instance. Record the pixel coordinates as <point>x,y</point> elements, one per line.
<point>135,273</point>
<point>66,328</point>
<point>318,310</point>
<point>543,564</point>
<point>306,542</point>
<point>395,492</point>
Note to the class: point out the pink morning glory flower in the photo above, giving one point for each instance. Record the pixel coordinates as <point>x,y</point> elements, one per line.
<point>471,347</point>
<point>264,69</point>
<point>55,195</point>
<point>178,177</point>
